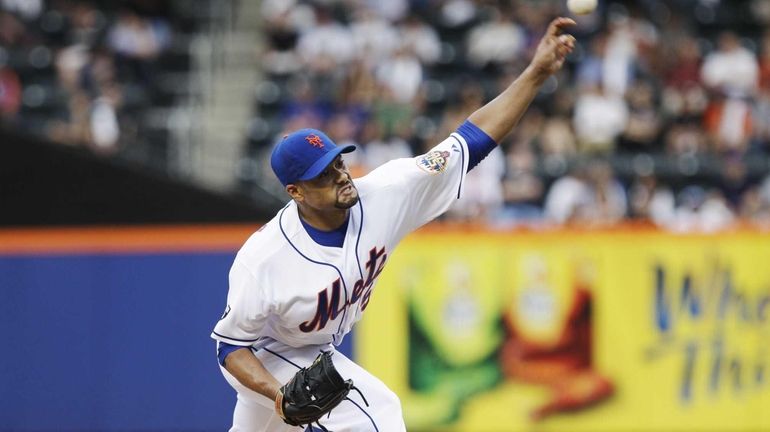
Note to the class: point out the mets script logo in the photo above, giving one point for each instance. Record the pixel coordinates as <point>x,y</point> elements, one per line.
<point>329,306</point>
<point>433,162</point>
<point>315,141</point>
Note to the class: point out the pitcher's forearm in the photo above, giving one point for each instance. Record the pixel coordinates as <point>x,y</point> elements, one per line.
<point>250,372</point>
<point>498,117</point>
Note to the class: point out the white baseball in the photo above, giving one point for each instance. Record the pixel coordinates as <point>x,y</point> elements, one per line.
<point>581,7</point>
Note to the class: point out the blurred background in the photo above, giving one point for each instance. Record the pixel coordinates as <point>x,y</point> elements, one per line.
<point>626,217</point>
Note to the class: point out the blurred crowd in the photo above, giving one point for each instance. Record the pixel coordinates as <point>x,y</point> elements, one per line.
<point>80,72</point>
<point>662,114</point>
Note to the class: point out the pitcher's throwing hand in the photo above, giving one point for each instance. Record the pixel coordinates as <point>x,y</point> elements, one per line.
<point>553,47</point>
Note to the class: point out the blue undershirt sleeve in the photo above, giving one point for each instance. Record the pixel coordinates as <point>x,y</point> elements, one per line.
<point>223,350</point>
<point>479,143</point>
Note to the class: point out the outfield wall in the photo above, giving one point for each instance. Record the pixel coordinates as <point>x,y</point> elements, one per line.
<point>108,329</point>
<point>622,330</point>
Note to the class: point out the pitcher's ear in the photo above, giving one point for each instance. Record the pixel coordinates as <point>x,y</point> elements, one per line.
<point>295,192</point>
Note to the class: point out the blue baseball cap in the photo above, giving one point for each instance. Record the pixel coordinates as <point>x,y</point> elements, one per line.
<point>304,154</point>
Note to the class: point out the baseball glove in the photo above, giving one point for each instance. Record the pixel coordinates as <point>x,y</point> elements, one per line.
<point>312,392</point>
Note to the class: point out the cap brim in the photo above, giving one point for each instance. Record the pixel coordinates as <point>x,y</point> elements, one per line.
<point>321,164</point>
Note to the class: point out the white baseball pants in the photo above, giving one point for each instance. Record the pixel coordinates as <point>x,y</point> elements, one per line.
<point>256,413</point>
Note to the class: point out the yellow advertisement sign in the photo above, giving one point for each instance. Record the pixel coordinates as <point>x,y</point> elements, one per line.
<point>579,332</point>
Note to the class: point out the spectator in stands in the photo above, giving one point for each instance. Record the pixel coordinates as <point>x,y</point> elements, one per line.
<point>380,146</point>
<point>420,38</point>
<point>685,105</point>
<point>73,124</point>
<point>651,201</point>
<point>760,140</point>
<point>496,41</point>
<point>682,63</point>
<point>12,31</point>
<point>557,138</point>
<point>456,14</point>
<point>760,123</point>
<point>86,25</point>
<point>589,71</point>
<point>29,10</point>
<point>10,93</point>
<point>608,202</point>
<point>599,119</point>
<point>392,10</point>
<point>374,37</point>
<point>764,198</point>
<point>282,21</point>
<point>99,71</point>
<point>619,56</point>
<point>644,124</point>
<point>731,69</point>
<point>685,137</point>
<point>731,73</point>
<point>683,98</point>
<point>528,135</point>
<point>325,44</point>
<point>755,207</point>
<point>70,61</point>
<point>735,181</point>
<point>401,74</point>
<point>591,196</point>
<point>764,61</point>
<point>357,94</point>
<point>522,188</point>
<point>728,122</point>
<point>627,38</point>
<point>105,129</point>
<point>137,41</point>
<point>304,103</point>
<point>392,114</point>
<point>700,210</point>
<point>567,198</point>
<point>299,13</point>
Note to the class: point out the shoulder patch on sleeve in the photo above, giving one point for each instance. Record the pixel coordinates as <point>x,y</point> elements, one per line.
<point>433,162</point>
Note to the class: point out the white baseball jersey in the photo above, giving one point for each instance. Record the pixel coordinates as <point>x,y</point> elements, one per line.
<point>284,286</point>
<point>290,296</point>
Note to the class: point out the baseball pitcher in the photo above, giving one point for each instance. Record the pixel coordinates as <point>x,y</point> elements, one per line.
<point>300,283</point>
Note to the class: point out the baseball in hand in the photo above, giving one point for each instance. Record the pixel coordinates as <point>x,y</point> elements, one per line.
<point>581,7</point>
